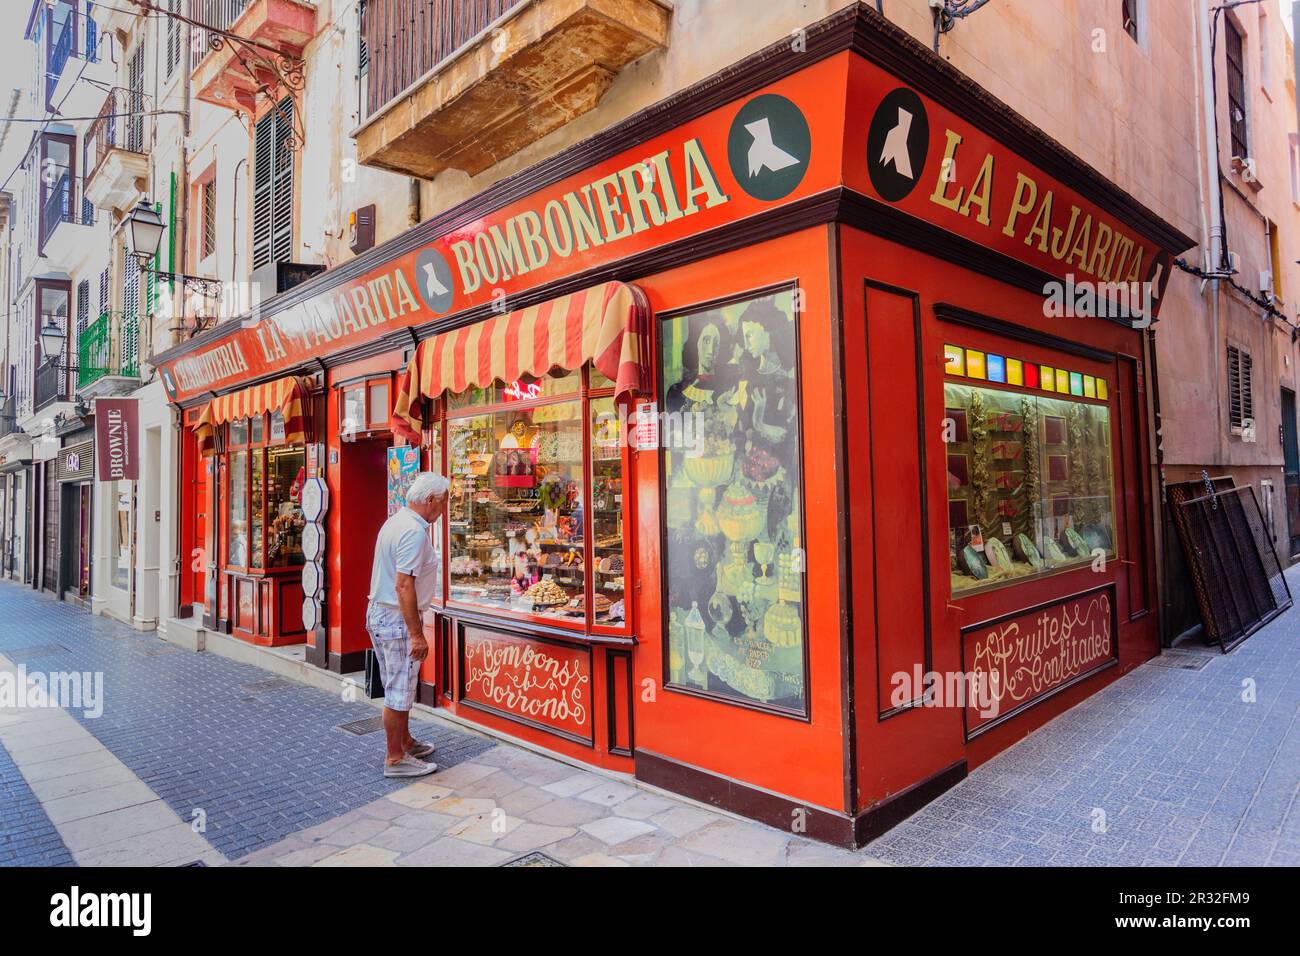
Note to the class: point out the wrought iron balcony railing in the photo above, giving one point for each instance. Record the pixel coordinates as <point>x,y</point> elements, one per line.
<point>120,125</point>
<point>95,354</point>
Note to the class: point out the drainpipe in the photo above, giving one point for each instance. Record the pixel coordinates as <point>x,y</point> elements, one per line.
<point>413,201</point>
<point>1210,124</point>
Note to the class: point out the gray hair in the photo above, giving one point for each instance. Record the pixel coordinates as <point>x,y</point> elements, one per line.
<point>427,484</point>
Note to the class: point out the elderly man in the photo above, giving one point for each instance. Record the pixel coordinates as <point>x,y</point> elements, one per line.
<point>403,581</point>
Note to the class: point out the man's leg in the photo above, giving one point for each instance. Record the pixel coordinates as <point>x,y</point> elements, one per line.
<point>395,734</point>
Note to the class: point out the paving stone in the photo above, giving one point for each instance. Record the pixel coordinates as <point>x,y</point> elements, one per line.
<point>419,795</point>
<point>449,851</point>
<point>738,843</point>
<point>360,855</point>
<point>608,794</point>
<point>643,805</point>
<point>425,820</point>
<point>573,784</point>
<point>614,830</point>
<point>462,806</point>
<point>565,812</point>
<point>533,836</point>
<point>681,820</point>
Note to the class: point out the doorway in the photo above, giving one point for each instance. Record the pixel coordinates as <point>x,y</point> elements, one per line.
<point>1291,468</point>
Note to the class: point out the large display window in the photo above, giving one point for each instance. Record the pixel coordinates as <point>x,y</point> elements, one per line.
<point>1030,482</point>
<point>733,477</point>
<point>263,495</point>
<point>536,512</point>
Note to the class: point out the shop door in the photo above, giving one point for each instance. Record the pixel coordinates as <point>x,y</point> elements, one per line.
<point>199,561</point>
<point>1291,466</point>
<point>50,563</point>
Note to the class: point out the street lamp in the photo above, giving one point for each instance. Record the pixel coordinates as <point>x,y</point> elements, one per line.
<point>144,230</point>
<point>52,340</point>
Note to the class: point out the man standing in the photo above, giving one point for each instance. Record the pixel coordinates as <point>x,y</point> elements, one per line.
<point>403,581</point>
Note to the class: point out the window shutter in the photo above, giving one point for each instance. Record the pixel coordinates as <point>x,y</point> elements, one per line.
<point>273,186</point>
<point>1236,89</point>
<point>135,100</point>
<point>129,328</point>
<point>103,292</point>
<point>1241,398</point>
<point>83,306</point>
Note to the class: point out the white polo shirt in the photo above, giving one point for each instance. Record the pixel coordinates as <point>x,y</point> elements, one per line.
<point>404,547</point>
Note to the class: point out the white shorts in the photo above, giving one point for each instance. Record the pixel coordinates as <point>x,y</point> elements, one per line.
<point>392,644</point>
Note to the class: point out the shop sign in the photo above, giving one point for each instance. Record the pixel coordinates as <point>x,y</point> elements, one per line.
<point>315,499</point>
<point>1024,657</point>
<point>76,462</point>
<point>805,134</point>
<point>117,439</point>
<point>932,164</point>
<point>543,683</point>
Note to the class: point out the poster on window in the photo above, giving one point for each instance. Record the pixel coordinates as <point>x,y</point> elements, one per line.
<point>734,560</point>
<point>403,466</point>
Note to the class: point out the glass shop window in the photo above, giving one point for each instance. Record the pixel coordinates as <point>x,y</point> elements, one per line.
<point>733,471</point>
<point>535,516</point>
<point>1030,486</point>
<point>264,495</point>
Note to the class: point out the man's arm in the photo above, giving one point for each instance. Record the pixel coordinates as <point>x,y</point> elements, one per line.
<point>406,602</point>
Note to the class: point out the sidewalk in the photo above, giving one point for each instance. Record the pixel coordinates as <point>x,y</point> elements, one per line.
<point>200,759</point>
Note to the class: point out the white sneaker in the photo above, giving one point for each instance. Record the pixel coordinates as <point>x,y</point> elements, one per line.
<point>408,767</point>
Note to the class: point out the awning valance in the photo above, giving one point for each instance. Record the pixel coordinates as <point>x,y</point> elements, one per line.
<point>290,396</point>
<point>603,325</point>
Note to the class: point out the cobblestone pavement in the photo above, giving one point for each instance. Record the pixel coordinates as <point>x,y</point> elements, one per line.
<point>1166,766</point>
<point>1184,770</point>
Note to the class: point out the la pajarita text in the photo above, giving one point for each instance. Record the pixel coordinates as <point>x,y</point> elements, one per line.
<point>1088,244</point>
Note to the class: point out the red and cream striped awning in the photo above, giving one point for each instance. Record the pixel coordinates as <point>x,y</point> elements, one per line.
<point>603,325</point>
<point>290,396</point>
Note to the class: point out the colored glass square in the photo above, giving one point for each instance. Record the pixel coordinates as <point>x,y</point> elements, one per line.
<point>1031,375</point>
<point>1048,378</point>
<point>974,364</point>
<point>1015,372</point>
<point>1076,383</point>
<point>1063,381</point>
<point>954,360</point>
<point>996,368</point>
<point>1089,387</point>
<point>1101,389</point>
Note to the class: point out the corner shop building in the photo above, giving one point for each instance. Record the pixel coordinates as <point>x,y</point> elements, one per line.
<point>811,291</point>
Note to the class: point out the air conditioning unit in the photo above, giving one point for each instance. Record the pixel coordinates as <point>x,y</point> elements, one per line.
<point>1234,263</point>
<point>276,277</point>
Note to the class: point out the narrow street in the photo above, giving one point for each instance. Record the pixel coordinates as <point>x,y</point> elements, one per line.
<point>200,759</point>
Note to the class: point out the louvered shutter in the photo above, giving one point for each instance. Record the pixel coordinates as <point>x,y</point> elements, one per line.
<point>135,100</point>
<point>1241,399</point>
<point>273,186</point>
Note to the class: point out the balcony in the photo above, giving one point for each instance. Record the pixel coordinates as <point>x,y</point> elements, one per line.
<point>102,371</point>
<point>232,74</point>
<point>78,67</point>
<point>8,417</point>
<point>66,224</point>
<point>465,89</point>
<point>114,149</point>
<point>55,382</point>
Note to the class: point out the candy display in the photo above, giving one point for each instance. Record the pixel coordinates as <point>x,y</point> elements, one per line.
<point>522,520</point>
<point>734,558</point>
<point>1037,493</point>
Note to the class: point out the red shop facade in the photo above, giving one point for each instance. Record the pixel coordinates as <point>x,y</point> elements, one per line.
<point>773,424</point>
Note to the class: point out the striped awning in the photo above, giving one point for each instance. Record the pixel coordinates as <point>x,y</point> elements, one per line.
<point>603,325</point>
<point>290,396</point>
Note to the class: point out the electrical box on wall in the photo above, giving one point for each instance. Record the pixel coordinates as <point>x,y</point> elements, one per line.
<point>361,229</point>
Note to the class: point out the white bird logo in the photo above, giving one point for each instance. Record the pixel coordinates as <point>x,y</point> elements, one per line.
<point>432,285</point>
<point>895,148</point>
<point>765,153</point>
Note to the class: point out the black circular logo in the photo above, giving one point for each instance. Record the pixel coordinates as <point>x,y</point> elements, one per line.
<point>897,141</point>
<point>769,146</point>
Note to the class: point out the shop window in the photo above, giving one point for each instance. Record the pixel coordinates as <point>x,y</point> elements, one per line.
<point>120,565</point>
<point>535,518</point>
<point>1030,488</point>
<point>264,495</point>
<point>734,560</point>
<point>1241,397</point>
<point>366,407</point>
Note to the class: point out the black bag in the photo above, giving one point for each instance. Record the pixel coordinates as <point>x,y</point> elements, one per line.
<point>374,685</point>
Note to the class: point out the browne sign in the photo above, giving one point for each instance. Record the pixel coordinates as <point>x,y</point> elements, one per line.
<point>117,440</point>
